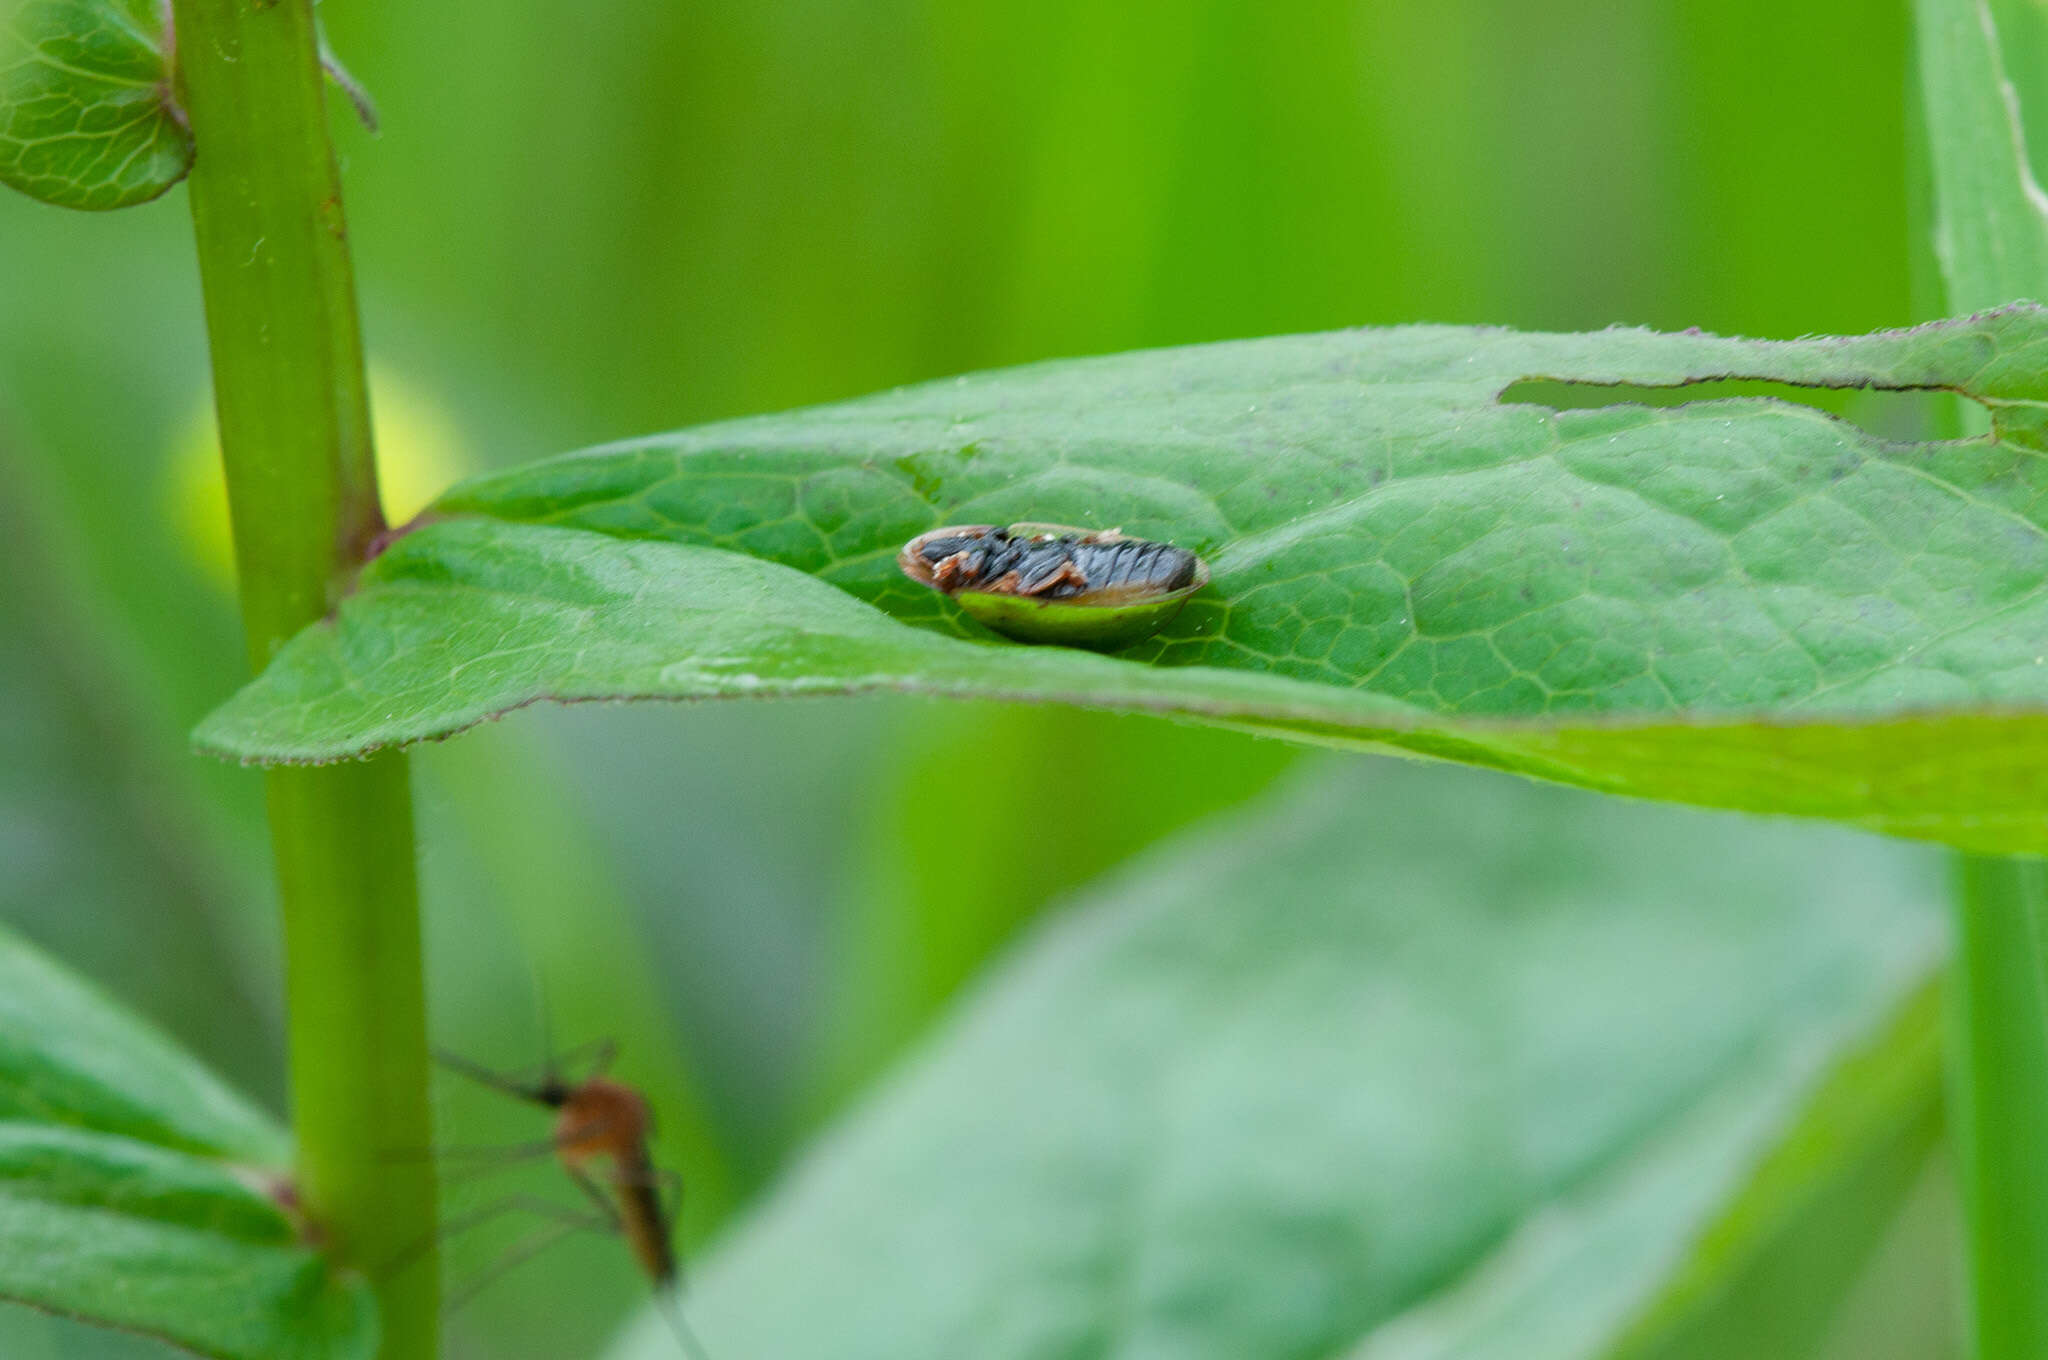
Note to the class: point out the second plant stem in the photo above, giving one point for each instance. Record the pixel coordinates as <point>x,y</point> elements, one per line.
<point>1999,1102</point>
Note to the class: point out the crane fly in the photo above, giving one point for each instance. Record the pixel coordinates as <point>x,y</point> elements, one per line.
<point>603,1129</point>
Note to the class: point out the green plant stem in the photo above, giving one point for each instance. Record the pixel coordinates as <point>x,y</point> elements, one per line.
<point>295,433</point>
<point>1990,239</point>
<point>1999,1101</point>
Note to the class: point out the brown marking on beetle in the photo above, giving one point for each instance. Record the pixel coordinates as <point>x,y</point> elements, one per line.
<point>952,573</point>
<point>1067,575</point>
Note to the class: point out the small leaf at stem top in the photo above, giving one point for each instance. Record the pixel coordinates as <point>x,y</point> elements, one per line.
<point>87,116</point>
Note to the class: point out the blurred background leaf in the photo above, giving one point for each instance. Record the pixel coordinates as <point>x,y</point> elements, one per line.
<point>1331,1076</point>
<point>575,231</point>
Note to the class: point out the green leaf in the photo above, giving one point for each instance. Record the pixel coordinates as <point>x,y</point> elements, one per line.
<point>69,1056</point>
<point>138,1192</point>
<point>1335,1078</point>
<point>1742,603</point>
<point>905,938</point>
<point>1991,214</point>
<point>87,118</point>
<point>1795,1239</point>
<point>1991,236</point>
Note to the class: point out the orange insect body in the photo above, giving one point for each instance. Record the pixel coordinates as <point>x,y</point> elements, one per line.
<point>601,1136</point>
<point>607,1122</point>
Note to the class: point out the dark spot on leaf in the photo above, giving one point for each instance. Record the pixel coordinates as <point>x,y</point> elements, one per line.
<point>924,480</point>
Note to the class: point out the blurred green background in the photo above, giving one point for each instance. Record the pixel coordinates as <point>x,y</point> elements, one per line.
<point>582,223</point>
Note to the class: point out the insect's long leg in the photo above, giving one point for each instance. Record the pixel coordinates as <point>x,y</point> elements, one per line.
<point>597,1055</point>
<point>517,1255</point>
<point>468,1163</point>
<point>484,1076</point>
<point>477,1217</point>
<point>498,1152</point>
<point>483,1161</point>
<point>596,1195</point>
<point>602,1052</point>
<point>671,1309</point>
<point>667,1185</point>
<point>670,1183</point>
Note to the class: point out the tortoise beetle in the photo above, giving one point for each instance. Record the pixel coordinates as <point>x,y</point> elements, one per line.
<point>1097,588</point>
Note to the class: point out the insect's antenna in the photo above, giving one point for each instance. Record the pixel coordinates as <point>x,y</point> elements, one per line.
<point>668,1301</point>
<point>486,1077</point>
<point>555,1063</point>
<point>545,1014</point>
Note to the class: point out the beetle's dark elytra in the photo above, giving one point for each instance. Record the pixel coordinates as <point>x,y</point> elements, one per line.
<point>1054,583</point>
<point>1078,566</point>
